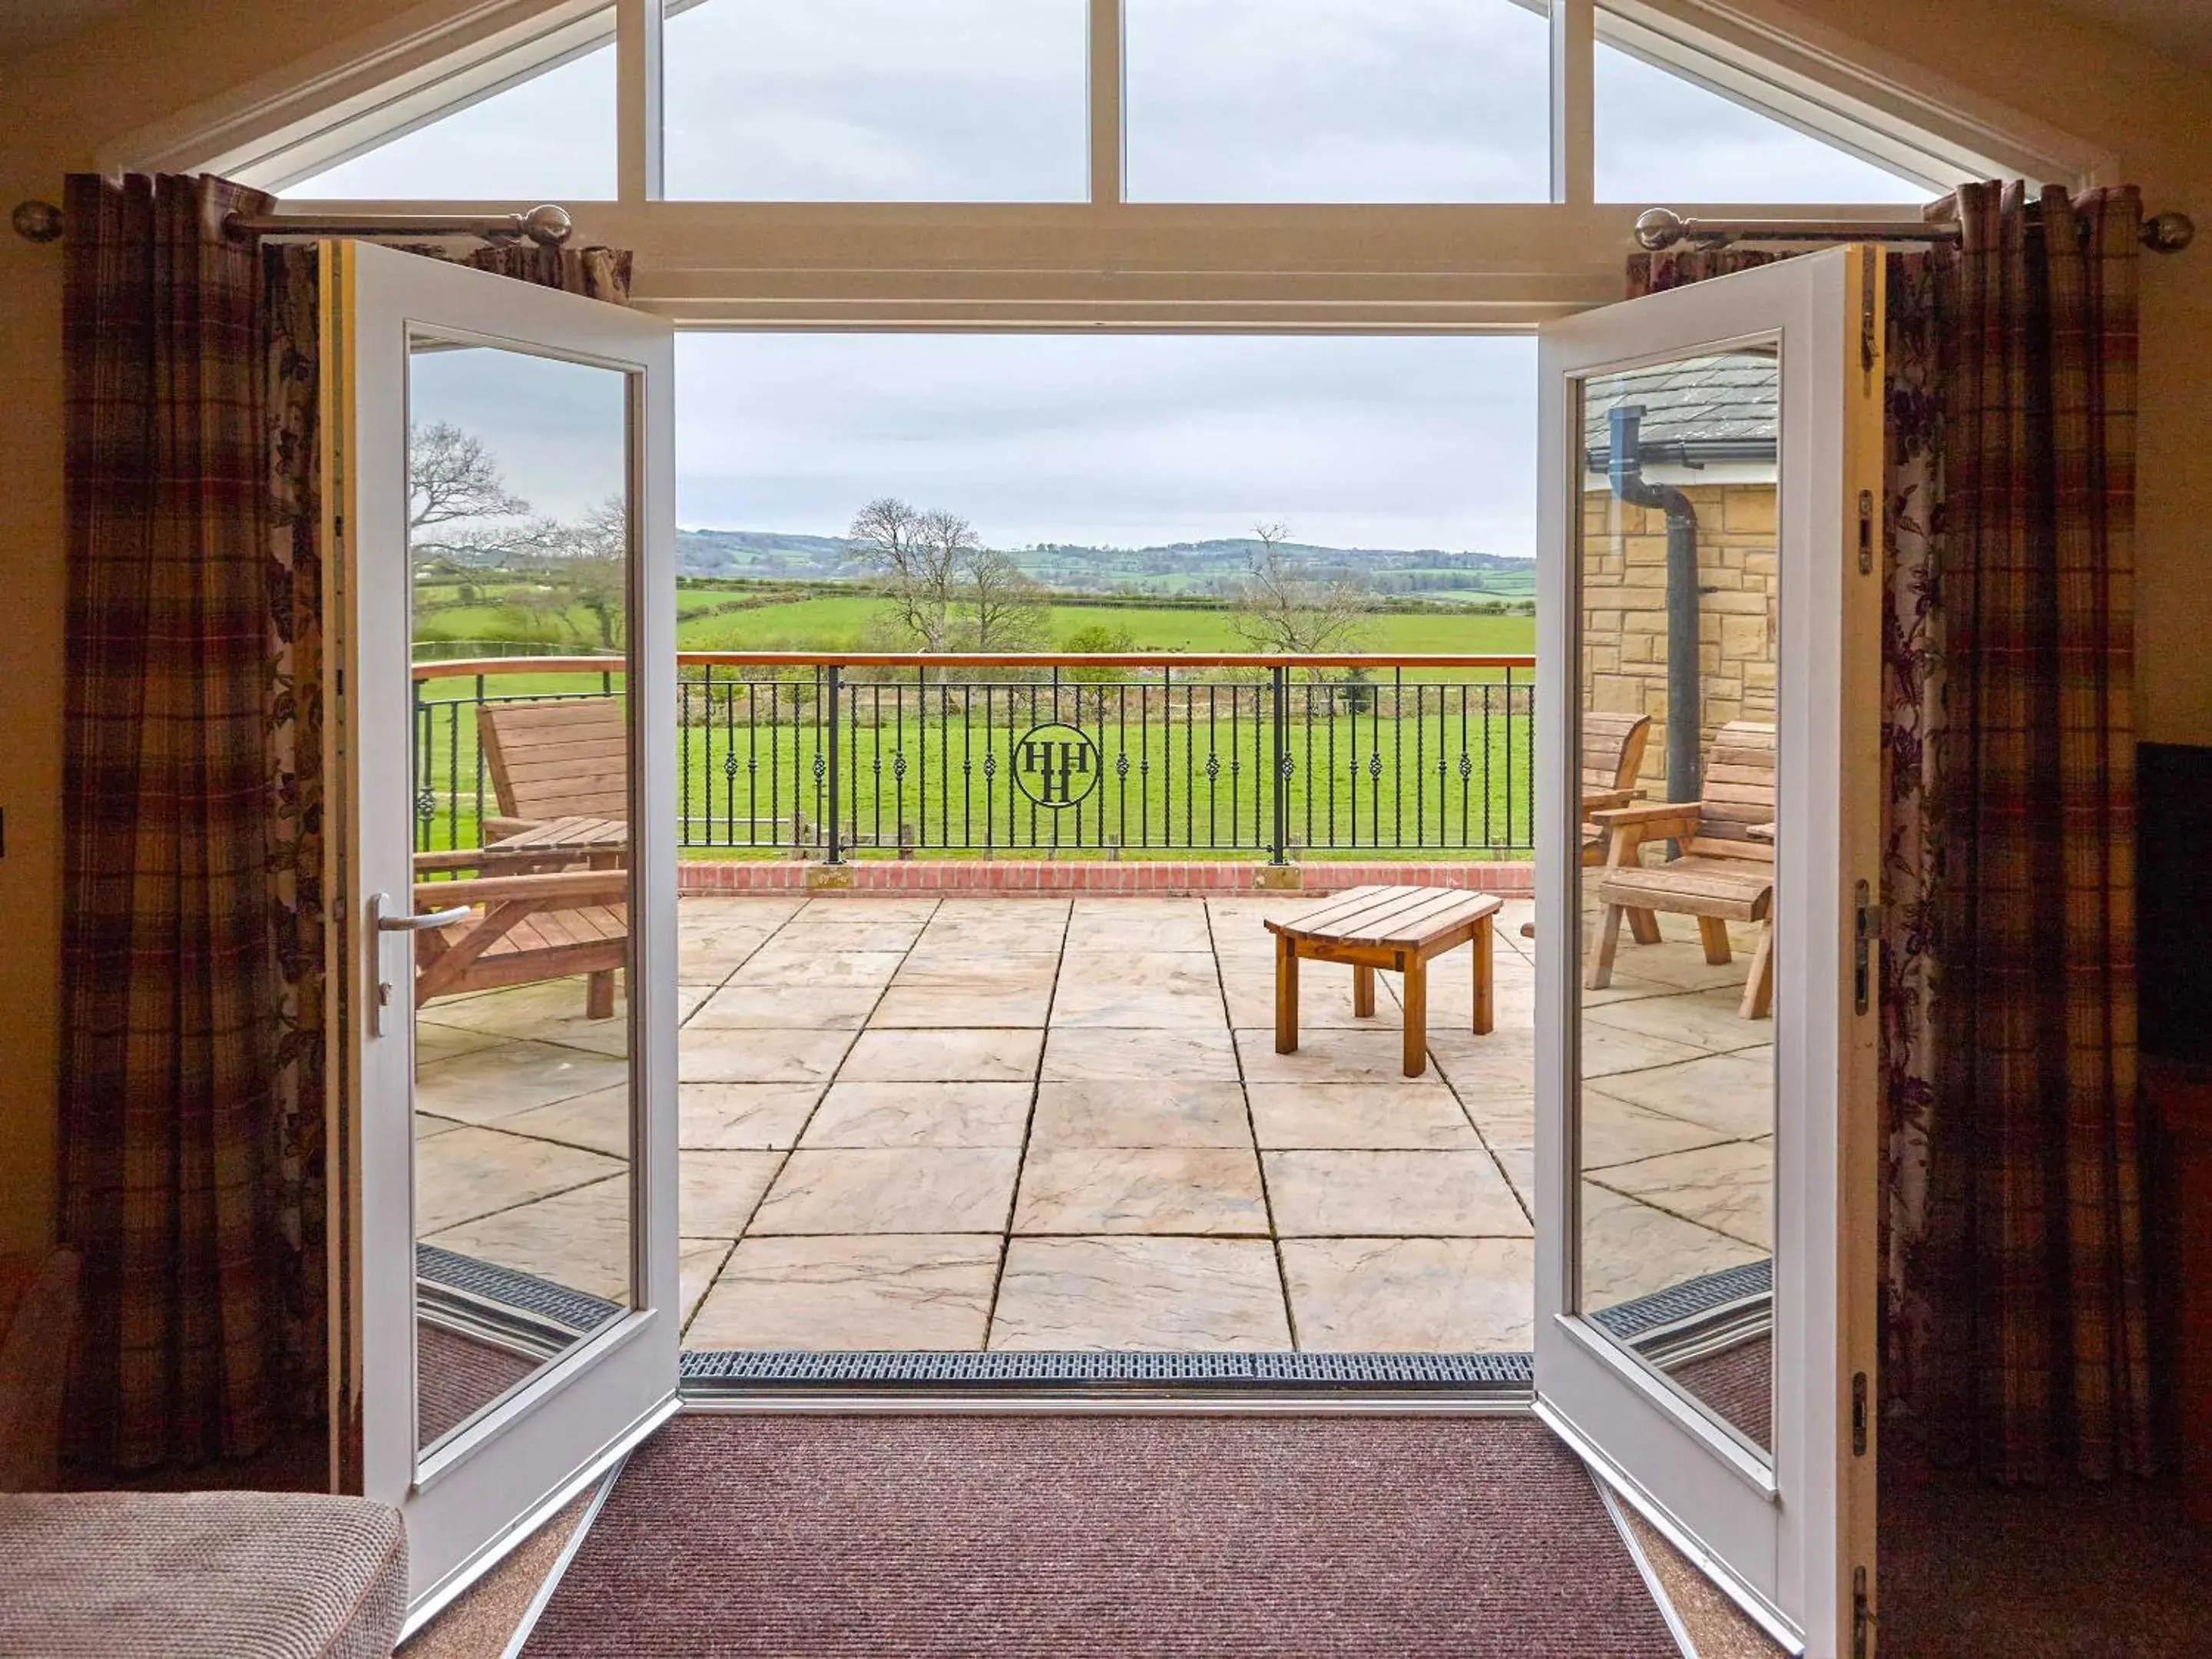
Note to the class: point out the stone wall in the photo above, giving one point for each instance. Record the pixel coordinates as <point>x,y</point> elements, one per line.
<point>1624,610</point>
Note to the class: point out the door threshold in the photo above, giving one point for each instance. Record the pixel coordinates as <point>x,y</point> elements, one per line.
<point>1108,1380</point>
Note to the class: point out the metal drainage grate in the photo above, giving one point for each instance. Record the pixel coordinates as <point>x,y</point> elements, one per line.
<point>491,1283</point>
<point>708,1370</point>
<point>1702,1295</point>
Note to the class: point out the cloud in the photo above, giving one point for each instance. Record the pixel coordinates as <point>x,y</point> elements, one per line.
<point>557,430</point>
<point>1396,441</point>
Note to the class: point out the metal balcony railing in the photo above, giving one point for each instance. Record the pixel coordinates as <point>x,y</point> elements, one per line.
<point>834,757</point>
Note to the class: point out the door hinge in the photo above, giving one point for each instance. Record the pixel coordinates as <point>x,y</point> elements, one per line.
<point>1865,931</point>
<point>1864,1617</point>
<point>1866,532</point>
<point>1858,1413</point>
<point>1870,320</point>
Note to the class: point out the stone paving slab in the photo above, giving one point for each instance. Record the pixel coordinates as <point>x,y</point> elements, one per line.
<point>1032,1123</point>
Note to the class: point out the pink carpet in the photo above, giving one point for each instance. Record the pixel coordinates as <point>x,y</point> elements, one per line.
<point>941,1535</point>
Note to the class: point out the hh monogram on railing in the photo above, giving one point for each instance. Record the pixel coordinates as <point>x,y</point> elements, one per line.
<point>1058,766</point>
<point>787,754</point>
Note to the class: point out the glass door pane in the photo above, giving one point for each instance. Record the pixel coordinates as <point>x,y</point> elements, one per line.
<point>1675,1093</point>
<point>521,534</point>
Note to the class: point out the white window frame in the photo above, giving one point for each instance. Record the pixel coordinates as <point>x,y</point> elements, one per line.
<point>1107,261</point>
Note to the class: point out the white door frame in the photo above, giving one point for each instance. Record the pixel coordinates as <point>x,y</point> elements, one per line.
<point>476,1494</point>
<point>1784,1540</point>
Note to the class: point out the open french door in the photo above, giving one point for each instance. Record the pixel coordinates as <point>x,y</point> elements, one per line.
<point>1706,1141</point>
<point>505,1275</point>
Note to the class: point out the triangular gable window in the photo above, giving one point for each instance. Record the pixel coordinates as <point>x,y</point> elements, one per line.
<point>1676,125</point>
<point>541,129</point>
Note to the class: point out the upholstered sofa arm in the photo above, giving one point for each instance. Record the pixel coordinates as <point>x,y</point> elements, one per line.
<point>212,1575</point>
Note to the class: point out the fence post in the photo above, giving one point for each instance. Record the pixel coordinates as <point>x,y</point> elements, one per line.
<point>837,837</point>
<point>1279,685</point>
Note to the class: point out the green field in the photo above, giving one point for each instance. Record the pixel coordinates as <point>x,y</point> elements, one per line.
<point>844,622</point>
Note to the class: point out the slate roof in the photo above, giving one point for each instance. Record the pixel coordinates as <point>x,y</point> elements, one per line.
<point>1727,406</point>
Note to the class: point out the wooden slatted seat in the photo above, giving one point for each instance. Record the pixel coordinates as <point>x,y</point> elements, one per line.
<point>527,928</point>
<point>1399,928</point>
<point>1725,870</point>
<point>567,757</point>
<point>1613,755</point>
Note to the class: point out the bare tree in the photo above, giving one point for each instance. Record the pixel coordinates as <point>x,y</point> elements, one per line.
<point>1279,608</point>
<point>1005,609</point>
<point>593,558</point>
<point>911,557</point>
<point>947,591</point>
<point>454,485</point>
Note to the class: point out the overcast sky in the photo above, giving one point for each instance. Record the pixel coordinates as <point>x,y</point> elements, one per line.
<point>556,429</point>
<point>1374,443</point>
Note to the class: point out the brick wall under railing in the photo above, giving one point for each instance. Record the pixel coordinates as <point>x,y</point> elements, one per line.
<point>701,878</point>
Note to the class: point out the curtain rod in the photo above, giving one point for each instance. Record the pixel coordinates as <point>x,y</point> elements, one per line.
<point>1658,229</point>
<point>546,225</point>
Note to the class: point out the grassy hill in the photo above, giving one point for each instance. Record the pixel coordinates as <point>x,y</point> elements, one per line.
<point>1178,568</point>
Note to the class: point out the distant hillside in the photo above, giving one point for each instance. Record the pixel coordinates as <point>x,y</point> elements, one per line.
<point>1193,568</point>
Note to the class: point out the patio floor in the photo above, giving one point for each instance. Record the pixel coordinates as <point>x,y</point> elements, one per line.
<point>915,1124</point>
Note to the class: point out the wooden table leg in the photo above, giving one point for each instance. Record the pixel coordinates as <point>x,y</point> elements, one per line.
<point>1485,994</point>
<point>1362,993</point>
<point>1417,1016</point>
<point>1286,996</point>
<point>1714,933</point>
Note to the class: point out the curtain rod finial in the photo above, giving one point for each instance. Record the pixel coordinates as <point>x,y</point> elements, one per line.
<point>37,221</point>
<point>2165,232</point>
<point>547,226</point>
<point>1658,229</point>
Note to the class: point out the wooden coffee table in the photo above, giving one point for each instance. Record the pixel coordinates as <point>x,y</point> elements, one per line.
<point>1398,928</point>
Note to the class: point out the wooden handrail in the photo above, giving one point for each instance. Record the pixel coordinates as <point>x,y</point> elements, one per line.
<point>463,667</point>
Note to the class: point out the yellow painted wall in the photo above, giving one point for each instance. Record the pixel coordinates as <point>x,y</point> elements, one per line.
<point>58,106</point>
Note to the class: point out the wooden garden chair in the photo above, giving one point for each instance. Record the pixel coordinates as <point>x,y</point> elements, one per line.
<point>1613,755</point>
<point>1725,870</point>
<point>522,928</point>
<point>567,757</point>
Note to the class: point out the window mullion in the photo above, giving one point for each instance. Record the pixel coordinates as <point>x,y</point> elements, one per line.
<point>1109,144</point>
<point>1574,70</point>
<point>637,100</point>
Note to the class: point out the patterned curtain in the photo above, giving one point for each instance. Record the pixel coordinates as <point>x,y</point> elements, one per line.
<point>1916,688</point>
<point>1655,273</point>
<point>597,273</point>
<point>193,1145</point>
<point>2038,1356</point>
<point>165,1088</point>
<point>300,941</point>
<point>298,931</point>
<point>2015,1328</point>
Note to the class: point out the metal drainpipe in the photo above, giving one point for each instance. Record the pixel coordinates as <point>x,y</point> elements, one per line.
<point>1626,476</point>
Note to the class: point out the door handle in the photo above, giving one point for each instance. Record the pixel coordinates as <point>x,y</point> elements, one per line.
<point>421,924</point>
<point>379,924</point>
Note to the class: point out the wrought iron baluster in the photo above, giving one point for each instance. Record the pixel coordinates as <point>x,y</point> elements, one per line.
<point>1466,771</point>
<point>1121,759</point>
<point>478,746</point>
<point>1278,687</point>
<point>827,759</point>
<point>454,776</point>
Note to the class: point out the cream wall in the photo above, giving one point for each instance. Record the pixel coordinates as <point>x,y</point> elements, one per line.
<point>57,107</point>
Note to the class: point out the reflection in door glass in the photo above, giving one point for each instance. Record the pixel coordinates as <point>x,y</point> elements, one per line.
<point>519,546</point>
<point>1680,579</point>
